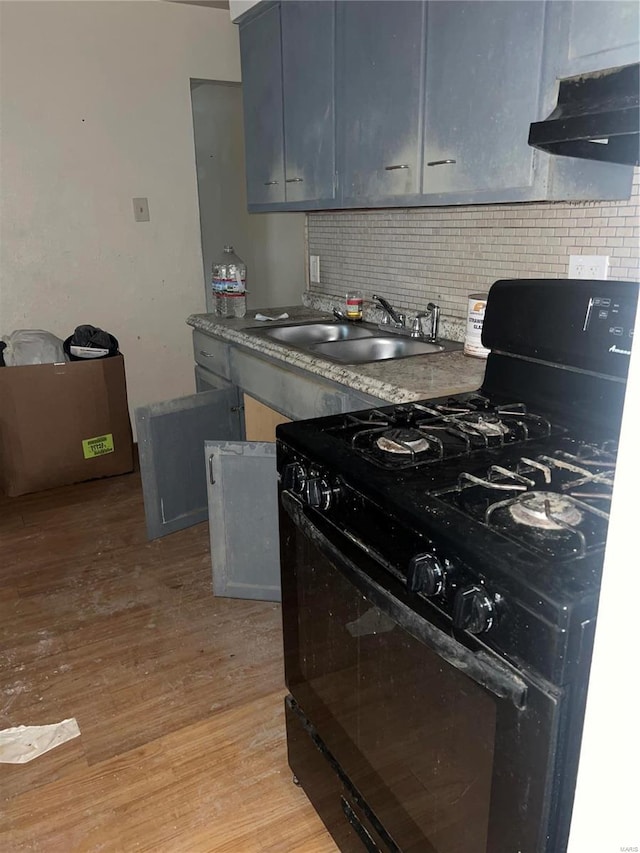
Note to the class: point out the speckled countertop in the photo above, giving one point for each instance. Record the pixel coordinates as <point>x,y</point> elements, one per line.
<point>399,380</point>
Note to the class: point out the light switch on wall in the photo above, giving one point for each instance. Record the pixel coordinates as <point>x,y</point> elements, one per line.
<point>141,209</point>
<point>314,269</point>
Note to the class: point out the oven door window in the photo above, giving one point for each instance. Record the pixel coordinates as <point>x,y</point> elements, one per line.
<point>417,737</point>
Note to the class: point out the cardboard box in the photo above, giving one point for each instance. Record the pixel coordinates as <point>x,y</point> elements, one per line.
<point>63,423</point>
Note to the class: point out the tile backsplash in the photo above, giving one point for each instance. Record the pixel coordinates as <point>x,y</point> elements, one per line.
<point>442,254</point>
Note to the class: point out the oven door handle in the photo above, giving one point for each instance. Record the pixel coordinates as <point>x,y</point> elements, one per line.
<point>483,668</point>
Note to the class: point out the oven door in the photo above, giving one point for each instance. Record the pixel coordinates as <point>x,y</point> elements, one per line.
<point>440,745</point>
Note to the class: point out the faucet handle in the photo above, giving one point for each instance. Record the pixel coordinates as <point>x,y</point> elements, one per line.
<point>435,320</point>
<point>339,315</point>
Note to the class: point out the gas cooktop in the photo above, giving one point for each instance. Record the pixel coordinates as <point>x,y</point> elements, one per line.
<point>416,434</point>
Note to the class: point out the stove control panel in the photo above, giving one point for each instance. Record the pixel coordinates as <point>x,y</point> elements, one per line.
<point>609,321</point>
<point>294,478</point>
<point>473,610</point>
<point>309,484</point>
<point>426,574</point>
<point>318,493</point>
<point>457,591</point>
<point>469,604</point>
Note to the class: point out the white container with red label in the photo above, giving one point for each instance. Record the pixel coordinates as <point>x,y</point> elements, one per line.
<point>475,318</point>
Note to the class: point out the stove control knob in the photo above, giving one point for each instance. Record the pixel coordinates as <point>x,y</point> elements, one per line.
<point>294,478</point>
<point>318,493</point>
<point>426,574</point>
<point>473,610</point>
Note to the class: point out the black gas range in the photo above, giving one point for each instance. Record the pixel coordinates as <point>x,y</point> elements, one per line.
<point>460,541</point>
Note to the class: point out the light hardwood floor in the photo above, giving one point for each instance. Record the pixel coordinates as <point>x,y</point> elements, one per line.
<point>178,694</point>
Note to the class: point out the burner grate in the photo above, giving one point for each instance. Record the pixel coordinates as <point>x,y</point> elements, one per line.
<point>538,502</point>
<point>414,434</point>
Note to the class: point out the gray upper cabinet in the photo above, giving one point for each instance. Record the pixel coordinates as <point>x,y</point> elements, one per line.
<point>597,34</point>
<point>393,103</point>
<point>308,44</point>
<point>380,97</point>
<point>261,56</point>
<point>479,103</point>
<point>287,53</point>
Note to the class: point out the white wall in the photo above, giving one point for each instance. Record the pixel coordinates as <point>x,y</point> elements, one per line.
<point>96,109</point>
<point>605,814</point>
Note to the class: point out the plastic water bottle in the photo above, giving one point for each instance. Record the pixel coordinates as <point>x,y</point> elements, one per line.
<point>228,281</point>
<point>219,300</point>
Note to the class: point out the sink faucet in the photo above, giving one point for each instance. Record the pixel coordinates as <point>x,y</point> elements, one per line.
<point>340,315</point>
<point>433,313</point>
<point>391,316</point>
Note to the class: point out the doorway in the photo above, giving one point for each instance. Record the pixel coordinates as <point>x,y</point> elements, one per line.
<point>271,244</point>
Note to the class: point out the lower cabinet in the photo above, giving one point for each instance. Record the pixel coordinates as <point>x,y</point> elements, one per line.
<point>243,519</point>
<point>171,435</point>
<point>260,421</point>
<point>236,487</point>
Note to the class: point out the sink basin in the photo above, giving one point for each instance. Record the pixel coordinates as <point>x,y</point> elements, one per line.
<point>350,343</point>
<point>373,349</point>
<point>310,333</point>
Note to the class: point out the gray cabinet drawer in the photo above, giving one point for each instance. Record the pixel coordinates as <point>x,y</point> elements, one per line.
<point>212,354</point>
<point>294,395</point>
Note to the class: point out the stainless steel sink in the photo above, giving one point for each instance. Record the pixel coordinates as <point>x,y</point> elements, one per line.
<point>348,343</point>
<point>373,349</point>
<point>303,334</point>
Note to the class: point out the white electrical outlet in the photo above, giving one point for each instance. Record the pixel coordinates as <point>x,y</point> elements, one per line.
<point>589,266</point>
<point>141,209</point>
<point>314,269</point>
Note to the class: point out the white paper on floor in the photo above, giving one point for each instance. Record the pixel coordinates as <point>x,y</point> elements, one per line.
<point>24,743</point>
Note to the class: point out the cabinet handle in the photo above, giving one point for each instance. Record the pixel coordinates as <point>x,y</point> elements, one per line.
<point>294,180</point>
<point>440,162</point>
<point>211,480</point>
<point>207,354</point>
<point>393,168</point>
<point>270,183</point>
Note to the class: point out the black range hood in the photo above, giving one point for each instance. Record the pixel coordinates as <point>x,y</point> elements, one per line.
<point>597,118</point>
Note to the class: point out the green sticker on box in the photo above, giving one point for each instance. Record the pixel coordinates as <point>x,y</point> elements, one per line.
<point>97,446</point>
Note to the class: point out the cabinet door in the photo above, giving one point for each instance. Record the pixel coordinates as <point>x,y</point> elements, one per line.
<point>260,50</point>
<point>380,99</point>
<point>308,44</point>
<point>243,519</point>
<point>171,436</point>
<point>599,34</point>
<point>483,71</point>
